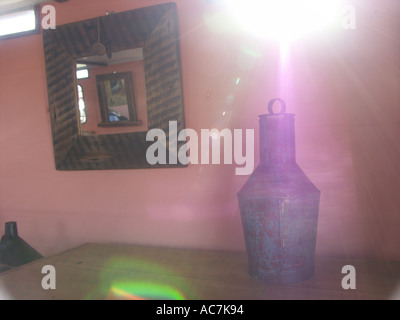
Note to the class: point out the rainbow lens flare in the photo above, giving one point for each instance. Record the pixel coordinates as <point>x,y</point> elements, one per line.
<point>144,291</point>
<point>123,278</point>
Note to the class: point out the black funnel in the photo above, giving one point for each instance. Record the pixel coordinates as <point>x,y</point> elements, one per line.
<point>14,251</point>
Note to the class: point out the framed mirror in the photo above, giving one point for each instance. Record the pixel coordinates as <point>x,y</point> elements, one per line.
<point>117,99</point>
<point>97,79</point>
<point>153,30</point>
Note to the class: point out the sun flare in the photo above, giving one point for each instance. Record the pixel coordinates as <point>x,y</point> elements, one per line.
<point>284,19</point>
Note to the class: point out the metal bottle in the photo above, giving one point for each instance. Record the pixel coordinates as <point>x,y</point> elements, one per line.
<point>279,206</point>
<point>14,251</point>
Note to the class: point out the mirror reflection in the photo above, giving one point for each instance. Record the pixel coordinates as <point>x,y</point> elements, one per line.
<point>116,99</point>
<point>111,93</point>
<point>79,143</point>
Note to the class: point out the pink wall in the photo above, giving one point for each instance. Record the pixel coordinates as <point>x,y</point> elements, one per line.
<point>343,88</point>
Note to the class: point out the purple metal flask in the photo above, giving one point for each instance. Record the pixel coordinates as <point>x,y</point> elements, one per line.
<point>279,206</point>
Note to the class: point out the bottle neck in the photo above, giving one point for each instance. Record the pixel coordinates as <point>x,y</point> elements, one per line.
<point>11,230</point>
<point>277,139</point>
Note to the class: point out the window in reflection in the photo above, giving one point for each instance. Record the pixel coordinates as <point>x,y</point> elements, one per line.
<point>82,74</point>
<point>81,103</point>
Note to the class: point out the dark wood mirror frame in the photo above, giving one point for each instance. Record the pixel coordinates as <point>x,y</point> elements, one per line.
<point>155,29</point>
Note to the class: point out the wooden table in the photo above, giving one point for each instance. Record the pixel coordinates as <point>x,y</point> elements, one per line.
<point>115,271</point>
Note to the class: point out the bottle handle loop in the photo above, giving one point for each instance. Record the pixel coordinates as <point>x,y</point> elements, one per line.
<point>271,103</point>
